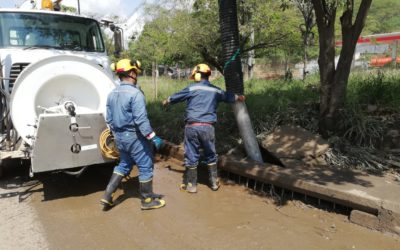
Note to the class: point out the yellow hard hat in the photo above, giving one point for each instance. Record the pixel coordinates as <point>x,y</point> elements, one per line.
<point>47,4</point>
<point>200,68</point>
<point>125,65</point>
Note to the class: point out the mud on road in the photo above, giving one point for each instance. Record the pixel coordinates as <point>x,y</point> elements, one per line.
<point>56,211</point>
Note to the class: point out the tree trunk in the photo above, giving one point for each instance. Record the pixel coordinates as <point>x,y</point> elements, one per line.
<point>334,81</point>
<point>326,62</point>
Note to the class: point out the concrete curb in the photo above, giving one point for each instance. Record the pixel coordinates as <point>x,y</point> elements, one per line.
<point>374,200</point>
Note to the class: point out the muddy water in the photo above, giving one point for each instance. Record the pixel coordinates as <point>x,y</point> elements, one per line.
<point>70,215</point>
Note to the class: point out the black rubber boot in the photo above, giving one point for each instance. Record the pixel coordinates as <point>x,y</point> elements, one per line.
<point>214,181</point>
<point>107,200</point>
<point>190,180</point>
<point>149,199</point>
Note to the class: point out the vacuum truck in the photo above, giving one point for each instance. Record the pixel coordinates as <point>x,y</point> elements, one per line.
<point>54,80</point>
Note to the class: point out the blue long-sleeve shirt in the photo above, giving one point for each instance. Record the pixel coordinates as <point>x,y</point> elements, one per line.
<point>202,100</point>
<point>126,110</point>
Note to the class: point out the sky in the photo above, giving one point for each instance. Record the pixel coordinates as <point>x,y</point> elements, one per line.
<point>122,8</point>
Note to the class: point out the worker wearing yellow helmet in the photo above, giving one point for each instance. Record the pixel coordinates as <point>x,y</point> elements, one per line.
<point>201,71</point>
<point>127,119</point>
<point>125,66</point>
<point>47,5</point>
<point>51,5</point>
<point>202,100</point>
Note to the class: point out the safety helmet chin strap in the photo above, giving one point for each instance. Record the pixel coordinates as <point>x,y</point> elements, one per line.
<point>128,75</point>
<point>134,78</point>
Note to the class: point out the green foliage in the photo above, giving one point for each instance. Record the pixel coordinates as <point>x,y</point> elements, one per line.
<point>280,24</point>
<point>380,88</point>
<point>68,9</point>
<point>369,96</point>
<point>154,42</point>
<point>187,34</point>
<point>383,17</point>
<point>360,128</point>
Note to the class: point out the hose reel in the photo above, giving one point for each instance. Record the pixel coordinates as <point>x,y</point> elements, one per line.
<point>107,145</point>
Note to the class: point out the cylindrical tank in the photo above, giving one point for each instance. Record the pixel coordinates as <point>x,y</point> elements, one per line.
<point>51,82</point>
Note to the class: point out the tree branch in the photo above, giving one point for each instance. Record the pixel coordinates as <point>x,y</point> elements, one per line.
<point>271,43</point>
<point>361,17</point>
<point>211,60</point>
<point>347,16</point>
<point>319,11</point>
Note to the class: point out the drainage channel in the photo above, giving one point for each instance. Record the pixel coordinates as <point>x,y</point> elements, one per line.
<point>280,195</point>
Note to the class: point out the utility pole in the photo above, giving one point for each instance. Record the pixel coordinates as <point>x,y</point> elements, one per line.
<point>251,55</point>
<point>154,79</point>
<point>234,76</point>
<point>394,52</point>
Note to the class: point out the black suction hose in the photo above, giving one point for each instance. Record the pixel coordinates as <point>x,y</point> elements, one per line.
<point>234,76</point>
<point>230,46</point>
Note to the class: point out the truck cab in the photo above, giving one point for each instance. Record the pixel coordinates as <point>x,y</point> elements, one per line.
<point>29,36</point>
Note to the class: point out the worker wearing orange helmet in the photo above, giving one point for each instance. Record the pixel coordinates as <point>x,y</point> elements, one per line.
<point>202,100</point>
<point>127,119</point>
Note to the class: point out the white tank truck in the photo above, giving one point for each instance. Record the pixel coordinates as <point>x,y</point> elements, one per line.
<point>55,76</point>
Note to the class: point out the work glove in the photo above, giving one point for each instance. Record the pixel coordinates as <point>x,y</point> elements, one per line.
<point>165,102</point>
<point>157,142</point>
<point>240,98</point>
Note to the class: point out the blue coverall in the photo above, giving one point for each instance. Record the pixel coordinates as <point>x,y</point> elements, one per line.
<point>127,119</point>
<point>202,100</point>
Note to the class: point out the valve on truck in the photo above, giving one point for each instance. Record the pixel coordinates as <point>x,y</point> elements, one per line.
<point>70,107</point>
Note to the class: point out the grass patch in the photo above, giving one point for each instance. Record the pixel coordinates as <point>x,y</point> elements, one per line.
<point>375,87</point>
<point>269,103</point>
<point>276,102</point>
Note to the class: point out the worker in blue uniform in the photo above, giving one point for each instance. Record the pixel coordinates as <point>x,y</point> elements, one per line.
<point>127,119</point>
<point>202,100</point>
